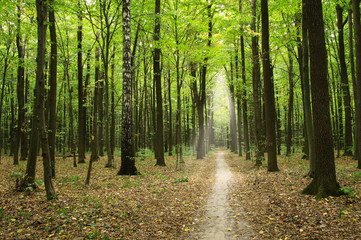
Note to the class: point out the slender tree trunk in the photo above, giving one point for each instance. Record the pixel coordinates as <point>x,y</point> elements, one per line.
<point>53,86</point>
<point>290,105</point>
<point>231,104</point>
<point>94,137</point>
<point>127,148</point>
<point>357,28</point>
<point>71,118</point>
<point>244,103</point>
<point>170,130</point>
<point>352,70</point>
<point>201,150</point>
<point>101,113</point>
<point>344,83</point>
<point>306,90</point>
<point>256,78</point>
<point>6,66</point>
<point>159,142</point>
<point>81,109</point>
<point>324,182</point>
<point>270,109</point>
<point>112,109</point>
<point>20,88</point>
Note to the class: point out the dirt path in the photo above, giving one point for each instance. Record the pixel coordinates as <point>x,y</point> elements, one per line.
<point>219,222</point>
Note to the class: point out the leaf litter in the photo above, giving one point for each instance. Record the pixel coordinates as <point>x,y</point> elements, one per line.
<point>166,204</point>
<point>273,204</point>
<point>158,204</point>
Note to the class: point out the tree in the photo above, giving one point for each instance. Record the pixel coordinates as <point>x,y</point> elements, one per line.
<point>357,31</point>
<point>158,140</point>
<point>20,88</point>
<point>53,86</point>
<point>38,120</point>
<point>200,97</point>
<point>270,109</point>
<point>244,94</point>
<point>128,161</point>
<point>256,79</point>
<point>324,182</point>
<point>81,109</point>
<point>306,93</point>
<point>94,137</point>
<point>344,82</point>
<point>231,104</point>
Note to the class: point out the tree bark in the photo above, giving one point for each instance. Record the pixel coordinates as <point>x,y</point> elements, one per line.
<point>94,136</point>
<point>306,96</point>
<point>344,83</point>
<point>170,132</point>
<point>290,105</point>
<point>38,121</point>
<point>256,79</point>
<point>159,142</point>
<point>324,182</point>
<point>270,109</point>
<point>231,104</point>
<point>127,149</point>
<point>81,100</point>
<point>352,70</point>
<point>53,86</point>
<point>244,103</point>
<point>20,87</point>
<point>357,30</point>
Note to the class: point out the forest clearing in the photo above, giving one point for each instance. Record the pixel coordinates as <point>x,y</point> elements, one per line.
<point>162,203</point>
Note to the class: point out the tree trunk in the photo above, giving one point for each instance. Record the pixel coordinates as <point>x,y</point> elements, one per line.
<point>231,104</point>
<point>352,69</point>
<point>244,103</point>
<point>201,150</point>
<point>52,90</point>
<point>324,182</point>
<point>127,149</point>
<point>112,110</point>
<point>159,143</point>
<point>306,90</point>
<point>81,100</point>
<point>94,137</point>
<point>20,88</point>
<point>71,118</point>
<point>170,130</point>
<point>270,110</point>
<point>344,83</point>
<point>256,79</point>
<point>290,105</point>
<point>101,113</point>
<point>38,121</point>
<point>357,28</point>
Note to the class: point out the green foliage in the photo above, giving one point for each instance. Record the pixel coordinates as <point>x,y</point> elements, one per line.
<point>348,191</point>
<point>355,177</point>
<point>181,180</point>
<point>144,153</point>
<point>16,174</point>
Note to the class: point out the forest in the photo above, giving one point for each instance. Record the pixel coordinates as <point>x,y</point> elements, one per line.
<point>180,119</point>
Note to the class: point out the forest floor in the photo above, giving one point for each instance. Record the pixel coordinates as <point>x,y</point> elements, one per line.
<point>162,203</point>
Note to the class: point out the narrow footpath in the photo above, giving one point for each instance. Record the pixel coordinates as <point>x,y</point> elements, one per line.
<point>218,223</point>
